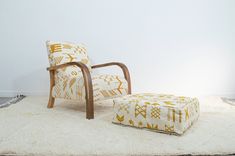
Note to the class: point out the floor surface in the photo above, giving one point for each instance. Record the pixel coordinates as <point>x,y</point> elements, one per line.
<point>4,99</point>
<point>29,128</point>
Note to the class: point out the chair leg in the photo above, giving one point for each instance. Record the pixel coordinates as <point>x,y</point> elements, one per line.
<point>51,102</point>
<point>89,102</point>
<point>89,109</point>
<point>52,83</point>
<point>89,95</point>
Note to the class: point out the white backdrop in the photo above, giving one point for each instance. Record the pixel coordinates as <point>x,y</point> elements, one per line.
<point>183,47</point>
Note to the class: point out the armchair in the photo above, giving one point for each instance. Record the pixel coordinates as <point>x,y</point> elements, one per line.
<point>71,77</point>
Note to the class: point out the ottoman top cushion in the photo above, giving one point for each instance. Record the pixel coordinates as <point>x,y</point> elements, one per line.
<point>162,100</point>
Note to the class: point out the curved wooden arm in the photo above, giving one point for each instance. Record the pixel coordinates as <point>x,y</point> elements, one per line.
<point>81,65</point>
<point>124,70</point>
<point>87,81</point>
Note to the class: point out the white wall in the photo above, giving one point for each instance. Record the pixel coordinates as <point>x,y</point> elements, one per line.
<point>183,47</point>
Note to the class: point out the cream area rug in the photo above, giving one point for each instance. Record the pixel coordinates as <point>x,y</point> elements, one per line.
<point>29,128</point>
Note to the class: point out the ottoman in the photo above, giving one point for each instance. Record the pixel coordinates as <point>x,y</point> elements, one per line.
<point>160,112</point>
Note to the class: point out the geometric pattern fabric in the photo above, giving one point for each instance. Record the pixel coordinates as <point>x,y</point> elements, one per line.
<point>69,82</point>
<point>159,112</point>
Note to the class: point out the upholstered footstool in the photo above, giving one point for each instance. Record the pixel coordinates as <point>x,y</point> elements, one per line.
<point>163,113</point>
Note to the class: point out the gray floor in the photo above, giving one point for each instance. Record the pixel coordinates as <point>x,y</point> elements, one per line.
<point>229,101</point>
<point>7,101</point>
<point>4,99</point>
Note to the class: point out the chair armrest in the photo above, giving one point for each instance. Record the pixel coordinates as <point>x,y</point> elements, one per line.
<point>87,82</point>
<point>81,65</point>
<point>124,70</point>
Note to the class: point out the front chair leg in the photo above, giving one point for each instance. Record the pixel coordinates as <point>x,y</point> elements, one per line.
<point>51,102</point>
<point>89,108</point>
<point>89,94</point>
<point>52,83</point>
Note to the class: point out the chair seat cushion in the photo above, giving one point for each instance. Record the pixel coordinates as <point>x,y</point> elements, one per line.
<point>104,86</point>
<point>163,113</point>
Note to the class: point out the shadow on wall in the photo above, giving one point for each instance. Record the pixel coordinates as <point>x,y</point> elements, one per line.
<point>36,82</point>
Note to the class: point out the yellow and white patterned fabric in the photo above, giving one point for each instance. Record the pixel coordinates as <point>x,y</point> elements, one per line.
<point>64,52</point>
<point>160,112</point>
<point>69,82</point>
<point>104,87</point>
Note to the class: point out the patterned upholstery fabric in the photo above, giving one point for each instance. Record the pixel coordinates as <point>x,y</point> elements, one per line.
<point>159,112</point>
<point>69,82</point>
<point>64,52</point>
<point>104,86</point>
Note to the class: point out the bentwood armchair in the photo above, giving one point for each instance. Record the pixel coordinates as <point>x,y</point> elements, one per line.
<point>71,77</point>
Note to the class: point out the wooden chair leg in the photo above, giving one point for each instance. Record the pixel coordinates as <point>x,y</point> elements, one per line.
<point>89,109</point>
<point>89,94</point>
<point>89,99</point>
<point>51,102</point>
<point>52,83</point>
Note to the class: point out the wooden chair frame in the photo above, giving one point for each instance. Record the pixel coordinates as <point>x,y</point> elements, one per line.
<point>88,82</point>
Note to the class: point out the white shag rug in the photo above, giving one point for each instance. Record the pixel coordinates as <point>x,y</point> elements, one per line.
<point>29,128</point>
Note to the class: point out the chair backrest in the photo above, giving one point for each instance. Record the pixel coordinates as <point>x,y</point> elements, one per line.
<point>64,52</point>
